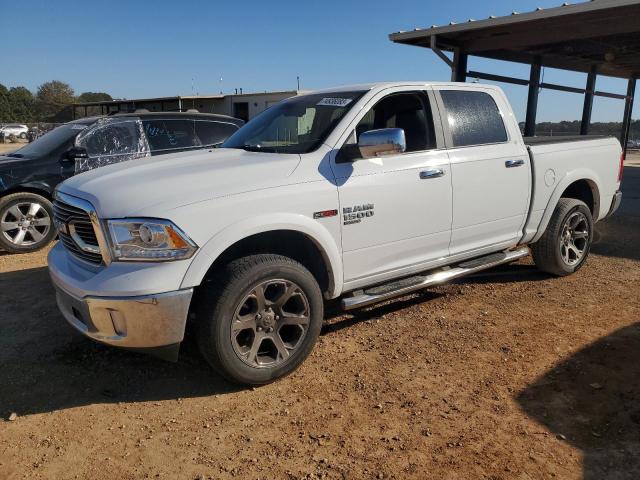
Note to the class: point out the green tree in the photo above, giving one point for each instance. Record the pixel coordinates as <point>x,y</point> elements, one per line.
<point>94,97</point>
<point>53,97</point>
<point>5,108</point>
<point>22,105</point>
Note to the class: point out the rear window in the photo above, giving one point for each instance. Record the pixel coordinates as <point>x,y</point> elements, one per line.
<point>474,118</point>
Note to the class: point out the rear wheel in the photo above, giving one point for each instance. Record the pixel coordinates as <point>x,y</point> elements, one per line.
<point>258,318</point>
<point>23,135</point>
<point>26,223</point>
<point>565,245</point>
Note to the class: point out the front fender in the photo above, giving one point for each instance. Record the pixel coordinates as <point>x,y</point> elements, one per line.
<point>232,234</point>
<point>571,177</point>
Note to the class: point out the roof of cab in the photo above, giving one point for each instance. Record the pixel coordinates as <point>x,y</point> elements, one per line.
<point>383,85</point>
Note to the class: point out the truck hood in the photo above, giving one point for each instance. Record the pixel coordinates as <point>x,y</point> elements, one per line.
<point>154,185</point>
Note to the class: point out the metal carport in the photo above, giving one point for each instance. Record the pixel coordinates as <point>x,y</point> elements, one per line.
<point>596,37</point>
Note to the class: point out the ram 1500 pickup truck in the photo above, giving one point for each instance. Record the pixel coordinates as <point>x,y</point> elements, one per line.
<point>361,193</point>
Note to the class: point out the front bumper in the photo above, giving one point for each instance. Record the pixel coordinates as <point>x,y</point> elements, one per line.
<point>142,322</point>
<point>136,306</point>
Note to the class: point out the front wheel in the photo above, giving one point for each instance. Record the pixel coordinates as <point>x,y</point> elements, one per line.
<point>565,244</point>
<point>258,318</point>
<point>26,223</point>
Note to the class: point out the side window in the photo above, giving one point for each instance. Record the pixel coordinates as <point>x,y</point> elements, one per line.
<point>166,135</point>
<point>213,133</point>
<point>409,111</point>
<point>474,118</point>
<point>111,140</point>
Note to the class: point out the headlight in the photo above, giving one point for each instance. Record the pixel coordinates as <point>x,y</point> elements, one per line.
<point>149,240</point>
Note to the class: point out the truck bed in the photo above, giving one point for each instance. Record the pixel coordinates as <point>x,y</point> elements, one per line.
<point>546,140</point>
<point>555,159</point>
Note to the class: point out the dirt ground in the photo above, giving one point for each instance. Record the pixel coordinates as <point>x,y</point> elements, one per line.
<point>9,147</point>
<point>507,375</point>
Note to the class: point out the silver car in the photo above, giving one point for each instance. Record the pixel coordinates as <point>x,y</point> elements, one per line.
<point>16,129</point>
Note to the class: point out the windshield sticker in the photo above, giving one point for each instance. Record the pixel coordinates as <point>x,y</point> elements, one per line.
<point>334,102</point>
<point>78,127</point>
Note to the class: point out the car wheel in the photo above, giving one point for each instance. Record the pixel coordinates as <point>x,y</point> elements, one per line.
<point>565,244</point>
<point>23,135</point>
<point>26,222</point>
<point>258,318</point>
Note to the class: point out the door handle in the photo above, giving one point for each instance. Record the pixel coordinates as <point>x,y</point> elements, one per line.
<point>513,163</point>
<point>435,173</point>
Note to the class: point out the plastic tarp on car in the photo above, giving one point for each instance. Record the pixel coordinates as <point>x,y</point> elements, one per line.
<point>111,140</point>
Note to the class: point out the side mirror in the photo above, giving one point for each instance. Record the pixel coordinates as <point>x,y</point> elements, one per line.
<point>385,141</point>
<point>75,153</point>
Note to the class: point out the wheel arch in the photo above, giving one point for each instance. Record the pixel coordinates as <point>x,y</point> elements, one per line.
<point>580,185</point>
<point>302,239</point>
<point>41,189</point>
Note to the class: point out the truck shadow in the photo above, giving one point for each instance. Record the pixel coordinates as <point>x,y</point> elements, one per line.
<point>46,366</point>
<point>593,401</point>
<point>336,319</point>
<point>510,273</point>
<point>619,235</point>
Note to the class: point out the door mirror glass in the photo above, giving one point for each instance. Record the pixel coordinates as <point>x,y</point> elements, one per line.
<point>381,142</point>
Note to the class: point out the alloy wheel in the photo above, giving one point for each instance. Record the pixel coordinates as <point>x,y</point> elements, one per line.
<point>574,238</point>
<point>25,223</point>
<point>270,323</point>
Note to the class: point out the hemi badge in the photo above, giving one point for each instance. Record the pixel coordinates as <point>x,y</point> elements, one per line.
<point>325,213</point>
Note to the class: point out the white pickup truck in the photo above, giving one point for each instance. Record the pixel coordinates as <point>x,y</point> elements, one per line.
<point>361,193</point>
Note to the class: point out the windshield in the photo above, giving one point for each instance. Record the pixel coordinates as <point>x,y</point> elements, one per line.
<point>297,125</point>
<point>50,141</point>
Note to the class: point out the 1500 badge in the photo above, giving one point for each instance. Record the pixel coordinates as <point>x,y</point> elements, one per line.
<point>355,214</point>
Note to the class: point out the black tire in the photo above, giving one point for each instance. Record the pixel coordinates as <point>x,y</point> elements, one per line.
<point>23,135</point>
<point>230,295</point>
<point>551,253</point>
<point>40,230</point>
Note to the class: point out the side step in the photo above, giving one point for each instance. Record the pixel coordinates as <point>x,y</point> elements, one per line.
<point>411,284</point>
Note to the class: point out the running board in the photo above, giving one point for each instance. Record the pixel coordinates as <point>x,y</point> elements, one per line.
<point>408,285</point>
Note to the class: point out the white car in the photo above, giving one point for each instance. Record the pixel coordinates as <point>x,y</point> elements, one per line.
<point>17,130</point>
<point>361,193</point>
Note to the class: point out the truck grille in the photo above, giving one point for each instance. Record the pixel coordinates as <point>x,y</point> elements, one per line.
<point>76,220</point>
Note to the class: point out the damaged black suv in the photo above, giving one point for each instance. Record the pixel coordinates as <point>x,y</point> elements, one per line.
<point>29,175</point>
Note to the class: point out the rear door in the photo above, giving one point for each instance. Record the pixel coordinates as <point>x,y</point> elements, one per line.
<point>490,169</point>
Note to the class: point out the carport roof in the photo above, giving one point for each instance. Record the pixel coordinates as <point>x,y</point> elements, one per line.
<point>604,33</point>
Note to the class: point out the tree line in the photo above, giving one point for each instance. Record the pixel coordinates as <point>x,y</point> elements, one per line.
<point>596,128</point>
<point>572,127</point>
<point>51,102</point>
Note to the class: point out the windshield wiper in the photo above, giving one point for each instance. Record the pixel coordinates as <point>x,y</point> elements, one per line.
<point>15,155</point>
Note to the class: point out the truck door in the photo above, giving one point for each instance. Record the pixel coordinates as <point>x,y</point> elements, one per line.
<point>396,209</point>
<point>490,169</point>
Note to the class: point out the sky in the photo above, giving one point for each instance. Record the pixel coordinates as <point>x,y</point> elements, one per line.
<point>133,49</point>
